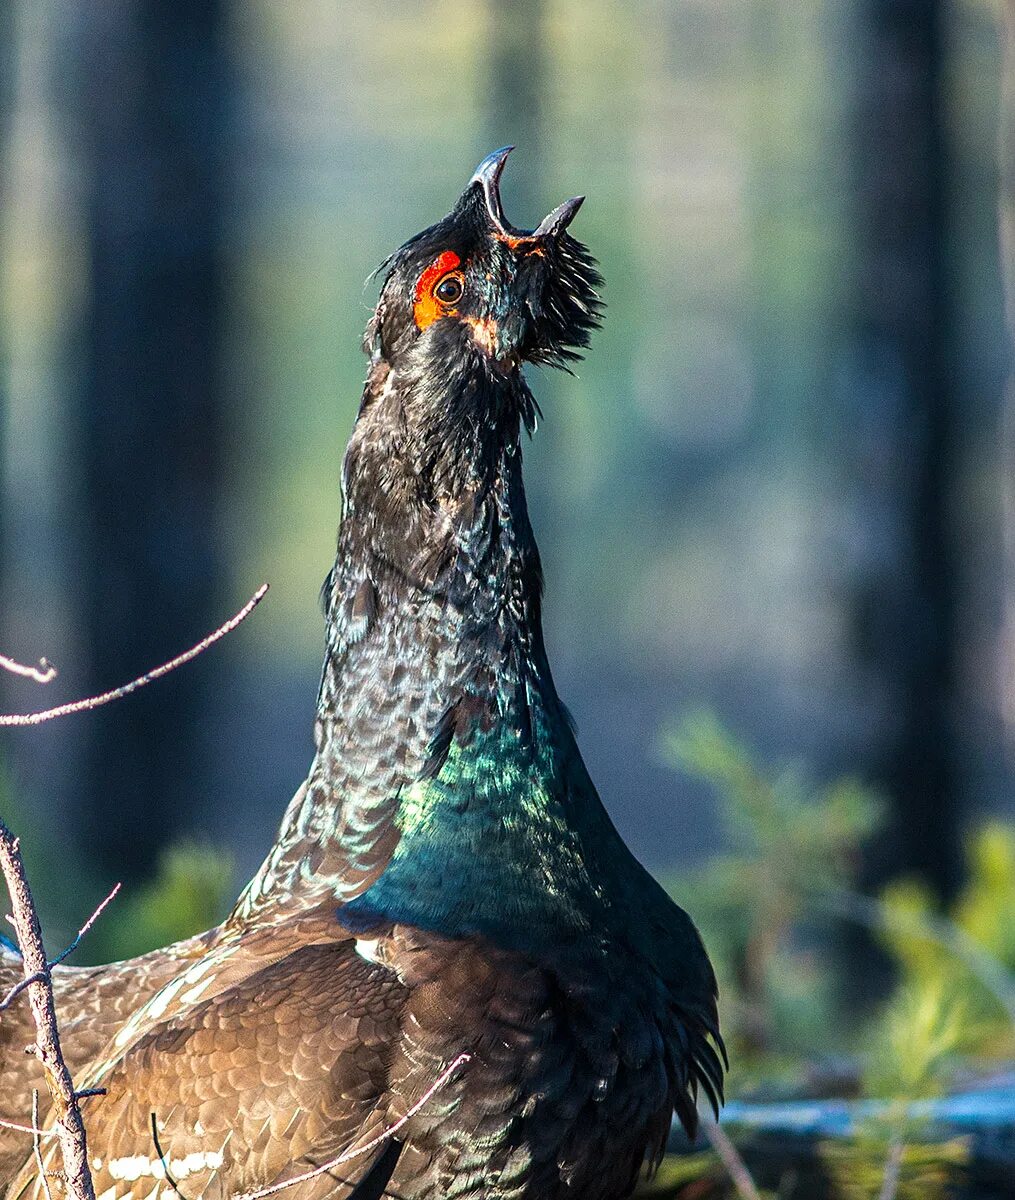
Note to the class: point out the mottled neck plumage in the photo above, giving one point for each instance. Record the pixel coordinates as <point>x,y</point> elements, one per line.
<point>443,753</point>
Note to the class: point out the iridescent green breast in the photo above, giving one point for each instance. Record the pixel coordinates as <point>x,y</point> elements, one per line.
<point>493,843</point>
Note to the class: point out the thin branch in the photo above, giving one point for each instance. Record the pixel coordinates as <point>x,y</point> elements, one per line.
<point>84,928</point>
<point>5,1124</point>
<point>69,1126</point>
<point>18,1128</point>
<point>43,673</point>
<point>90,702</point>
<point>22,984</point>
<point>730,1158</point>
<point>162,1159</point>
<point>36,1147</point>
<point>373,1143</point>
<point>893,1169</point>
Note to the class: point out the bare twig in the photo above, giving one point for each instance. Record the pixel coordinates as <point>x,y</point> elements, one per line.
<point>90,702</point>
<point>730,1158</point>
<point>383,1136</point>
<point>36,1147</point>
<point>162,1159</point>
<point>893,1168</point>
<point>84,1094</point>
<point>70,1129</point>
<point>68,1125</point>
<point>22,984</point>
<point>42,673</point>
<point>5,1124</point>
<point>84,928</point>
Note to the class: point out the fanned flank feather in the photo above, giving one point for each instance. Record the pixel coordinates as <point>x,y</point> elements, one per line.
<point>700,1066</point>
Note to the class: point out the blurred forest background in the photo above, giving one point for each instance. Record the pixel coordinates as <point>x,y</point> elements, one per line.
<point>776,509</point>
<point>781,488</point>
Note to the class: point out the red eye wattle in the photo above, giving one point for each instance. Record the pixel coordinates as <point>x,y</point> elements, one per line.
<point>429,304</point>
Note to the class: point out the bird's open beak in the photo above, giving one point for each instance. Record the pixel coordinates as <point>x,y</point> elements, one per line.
<point>488,174</point>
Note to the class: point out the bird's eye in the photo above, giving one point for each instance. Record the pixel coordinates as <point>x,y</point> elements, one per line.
<point>450,289</point>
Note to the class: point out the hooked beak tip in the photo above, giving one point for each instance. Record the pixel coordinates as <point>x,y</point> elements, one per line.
<point>488,174</point>
<point>489,171</point>
<point>556,222</point>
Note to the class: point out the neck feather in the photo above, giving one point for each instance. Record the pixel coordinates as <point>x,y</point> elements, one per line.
<point>442,749</point>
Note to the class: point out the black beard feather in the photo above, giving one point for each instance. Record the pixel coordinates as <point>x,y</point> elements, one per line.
<point>569,307</point>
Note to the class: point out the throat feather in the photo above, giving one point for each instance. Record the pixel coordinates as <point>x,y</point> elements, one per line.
<point>442,748</point>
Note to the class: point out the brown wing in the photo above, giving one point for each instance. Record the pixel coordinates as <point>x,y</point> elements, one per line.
<point>274,1075</point>
<point>91,1004</point>
<point>234,954</point>
<point>103,1010</point>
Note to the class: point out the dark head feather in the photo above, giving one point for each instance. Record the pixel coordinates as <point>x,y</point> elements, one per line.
<point>526,295</point>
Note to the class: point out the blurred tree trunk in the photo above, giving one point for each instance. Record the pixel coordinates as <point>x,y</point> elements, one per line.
<point>1006,237</point>
<point>8,55</point>
<point>905,620</point>
<point>149,113</point>
<point>517,86</point>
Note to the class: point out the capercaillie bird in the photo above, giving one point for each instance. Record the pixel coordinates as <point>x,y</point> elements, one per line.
<point>447,881</point>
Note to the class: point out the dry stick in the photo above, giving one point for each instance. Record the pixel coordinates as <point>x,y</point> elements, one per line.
<point>68,1124</point>
<point>162,1159</point>
<point>43,673</point>
<point>70,1129</point>
<point>36,1147</point>
<point>4,1124</point>
<point>383,1136</point>
<point>893,1170</point>
<point>18,988</point>
<point>730,1158</point>
<point>63,710</point>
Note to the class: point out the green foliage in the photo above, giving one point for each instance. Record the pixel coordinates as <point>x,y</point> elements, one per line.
<point>986,908</point>
<point>761,908</point>
<point>914,1048</point>
<point>927,1171</point>
<point>972,947</point>
<point>791,839</point>
<point>916,1041</point>
<point>190,892</point>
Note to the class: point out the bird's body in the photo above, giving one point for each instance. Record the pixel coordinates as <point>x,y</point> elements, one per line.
<point>447,882</point>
